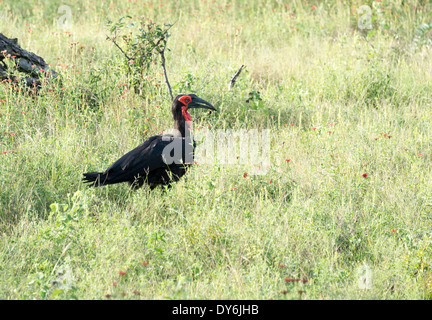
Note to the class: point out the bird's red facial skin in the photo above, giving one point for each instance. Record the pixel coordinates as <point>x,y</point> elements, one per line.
<point>185,100</point>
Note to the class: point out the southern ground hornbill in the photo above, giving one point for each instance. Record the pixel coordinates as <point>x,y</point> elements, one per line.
<point>161,159</point>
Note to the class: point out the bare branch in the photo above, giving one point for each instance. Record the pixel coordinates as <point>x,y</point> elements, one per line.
<point>124,53</point>
<point>162,54</point>
<point>234,78</point>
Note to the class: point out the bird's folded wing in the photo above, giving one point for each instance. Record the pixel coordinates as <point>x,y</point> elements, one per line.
<point>141,160</point>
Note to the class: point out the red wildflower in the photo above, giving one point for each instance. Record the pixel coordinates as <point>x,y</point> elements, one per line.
<point>271,180</point>
<point>364,175</point>
<point>145,264</point>
<point>313,7</point>
<point>393,230</point>
<point>122,273</point>
<point>287,160</point>
<point>245,175</point>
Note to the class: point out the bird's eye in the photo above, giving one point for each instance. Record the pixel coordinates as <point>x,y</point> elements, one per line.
<point>187,100</point>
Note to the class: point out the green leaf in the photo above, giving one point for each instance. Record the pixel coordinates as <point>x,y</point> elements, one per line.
<point>56,292</point>
<point>371,33</point>
<point>54,207</point>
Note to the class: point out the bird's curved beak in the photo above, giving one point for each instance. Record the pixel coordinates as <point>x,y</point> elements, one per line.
<point>200,103</point>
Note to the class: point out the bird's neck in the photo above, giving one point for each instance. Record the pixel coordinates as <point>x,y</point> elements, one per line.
<point>183,127</point>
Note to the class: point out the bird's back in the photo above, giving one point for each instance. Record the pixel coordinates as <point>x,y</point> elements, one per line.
<point>159,160</point>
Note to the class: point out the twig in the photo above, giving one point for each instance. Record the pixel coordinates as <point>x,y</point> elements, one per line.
<point>162,53</point>
<point>127,57</point>
<point>234,78</point>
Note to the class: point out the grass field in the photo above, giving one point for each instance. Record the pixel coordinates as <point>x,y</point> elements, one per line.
<point>346,95</point>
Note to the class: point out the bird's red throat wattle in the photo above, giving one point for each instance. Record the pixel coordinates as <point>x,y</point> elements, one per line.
<point>186,100</point>
<point>186,114</point>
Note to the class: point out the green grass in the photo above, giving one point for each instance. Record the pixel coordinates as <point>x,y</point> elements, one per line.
<point>339,101</point>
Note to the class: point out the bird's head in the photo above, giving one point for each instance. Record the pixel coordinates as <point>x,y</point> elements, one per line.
<point>183,102</point>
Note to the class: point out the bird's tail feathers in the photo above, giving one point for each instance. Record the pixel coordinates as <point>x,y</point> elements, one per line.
<point>96,179</point>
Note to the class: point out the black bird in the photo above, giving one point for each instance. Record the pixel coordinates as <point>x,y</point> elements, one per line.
<point>161,159</point>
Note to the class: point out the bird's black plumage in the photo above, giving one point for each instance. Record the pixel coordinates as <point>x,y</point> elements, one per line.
<point>161,159</point>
